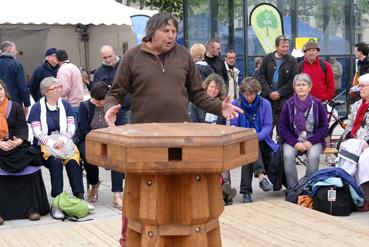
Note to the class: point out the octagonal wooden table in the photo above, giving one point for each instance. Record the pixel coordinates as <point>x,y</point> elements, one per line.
<point>172,194</point>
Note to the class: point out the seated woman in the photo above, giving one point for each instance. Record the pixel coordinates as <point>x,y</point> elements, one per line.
<point>257,115</point>
<point>53,126</point>
<point>302,126</point>
<point>91,116</point>
<point>215,87</point>
<point>22,189</point>
<point>358,128</point>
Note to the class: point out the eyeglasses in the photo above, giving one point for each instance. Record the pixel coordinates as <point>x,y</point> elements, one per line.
<point>56,87</point>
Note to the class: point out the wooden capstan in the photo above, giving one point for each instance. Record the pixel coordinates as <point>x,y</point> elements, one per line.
<point>172,194</point>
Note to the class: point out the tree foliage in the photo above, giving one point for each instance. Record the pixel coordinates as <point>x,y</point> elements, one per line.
<point>170,6</point>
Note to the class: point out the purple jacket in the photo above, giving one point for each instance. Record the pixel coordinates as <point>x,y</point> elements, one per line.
<point>265,113</point>
<point>287,129</point>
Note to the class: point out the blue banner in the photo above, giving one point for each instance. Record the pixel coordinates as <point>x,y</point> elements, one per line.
<point>138,26</point>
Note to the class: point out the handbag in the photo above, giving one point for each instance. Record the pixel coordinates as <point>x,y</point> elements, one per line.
<point>70,205</point>
<point>334,200</point>
<point>293,193</point>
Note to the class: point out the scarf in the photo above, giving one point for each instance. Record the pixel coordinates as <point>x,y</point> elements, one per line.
<point>250,118</point>
<point>301,106</point>
<point>359,118</point>
<point>4,130</point>
<point>62,116</point>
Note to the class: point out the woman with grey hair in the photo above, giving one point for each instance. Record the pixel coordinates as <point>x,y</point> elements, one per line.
<point>53,126</point>
<point>302,126</point>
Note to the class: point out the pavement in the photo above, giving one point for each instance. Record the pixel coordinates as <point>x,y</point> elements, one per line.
<point>104,207</point>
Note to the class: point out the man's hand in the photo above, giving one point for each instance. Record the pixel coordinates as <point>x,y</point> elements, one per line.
<point>111,115</point>
<point>229,111</point>
<point>274,96</point>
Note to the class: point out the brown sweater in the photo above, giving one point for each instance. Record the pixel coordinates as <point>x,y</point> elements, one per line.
<point>159,92</point>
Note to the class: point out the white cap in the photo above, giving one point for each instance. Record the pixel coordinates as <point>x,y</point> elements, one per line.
<point>364,79</point>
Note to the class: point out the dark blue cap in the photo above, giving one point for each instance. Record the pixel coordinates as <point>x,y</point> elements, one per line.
<point>50,51</point>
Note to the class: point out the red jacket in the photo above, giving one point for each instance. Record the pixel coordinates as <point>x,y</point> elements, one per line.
<point>323,84</point>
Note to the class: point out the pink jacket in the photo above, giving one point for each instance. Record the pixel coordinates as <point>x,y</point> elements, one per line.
<point>70,78</point>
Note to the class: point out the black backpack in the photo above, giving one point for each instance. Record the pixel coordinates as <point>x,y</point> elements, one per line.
<point>334,200</point>
<point>292,194</point>
<point>275,170</point>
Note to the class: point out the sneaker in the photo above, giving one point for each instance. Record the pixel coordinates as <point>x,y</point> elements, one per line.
<point>56,213</point>
<point>226,189</point>
<point>265,184</point>
<point>228,202</point>
<point>228,194</point>
<point>232,194</point>
<point>90,207</point>
<point>246,198</point>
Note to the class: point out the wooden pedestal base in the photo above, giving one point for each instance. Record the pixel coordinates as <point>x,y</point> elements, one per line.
<point>173,210</point>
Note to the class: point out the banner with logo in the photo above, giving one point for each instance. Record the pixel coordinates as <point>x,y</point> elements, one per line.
<point>266,21</point>
<point>138,26</point>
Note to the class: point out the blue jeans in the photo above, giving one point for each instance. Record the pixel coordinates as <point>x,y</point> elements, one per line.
<point>289,157</point>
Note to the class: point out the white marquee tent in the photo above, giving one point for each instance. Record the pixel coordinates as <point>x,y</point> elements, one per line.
<point>79,26</point>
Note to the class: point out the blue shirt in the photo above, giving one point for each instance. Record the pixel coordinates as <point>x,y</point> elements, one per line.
<point>278,62</point>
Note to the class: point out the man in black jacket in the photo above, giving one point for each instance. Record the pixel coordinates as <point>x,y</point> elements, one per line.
<point>49,68</point>
<point>106,73</point>
<point>276,75</point>
<point>212,54</point>
<point>361,54</point>
<point>108,68</point>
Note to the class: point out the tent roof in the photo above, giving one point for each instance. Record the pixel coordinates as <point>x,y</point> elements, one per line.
<point>95,12</point>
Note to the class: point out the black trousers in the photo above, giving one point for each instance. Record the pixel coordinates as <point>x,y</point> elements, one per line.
<point>255,168</point>
<point>74,173</point>
<point>92,173</point>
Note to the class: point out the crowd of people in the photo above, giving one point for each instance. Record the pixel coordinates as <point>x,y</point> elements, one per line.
<point>59,121</point>
<point>135,88</point>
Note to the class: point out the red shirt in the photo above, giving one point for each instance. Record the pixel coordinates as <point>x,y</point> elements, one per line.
<point>323,88</point>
